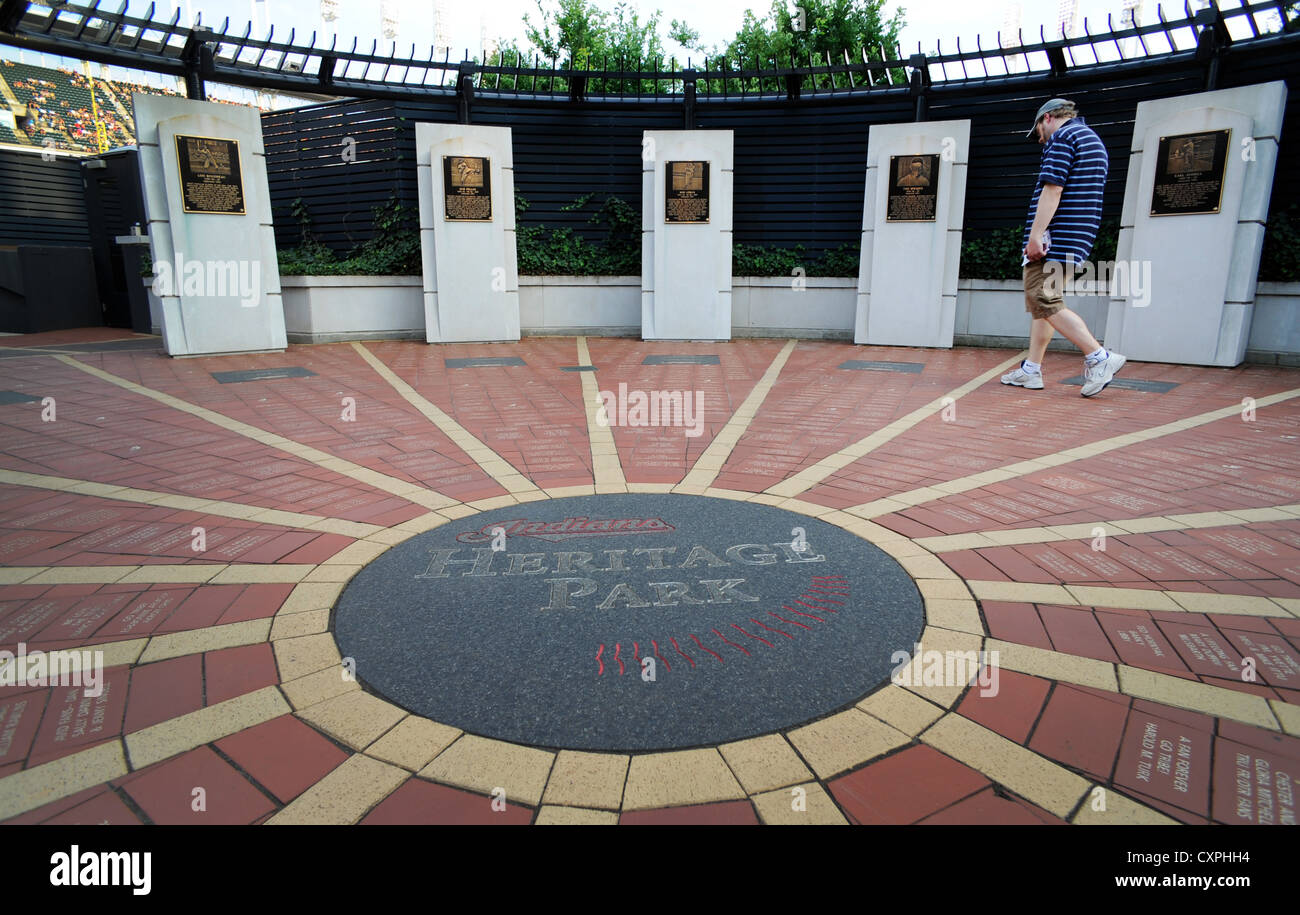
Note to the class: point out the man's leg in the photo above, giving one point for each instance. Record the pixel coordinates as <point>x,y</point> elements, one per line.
<point>1029,374</point>
<point>1099,365</point>
<point>1040,334</point>
<point>1072,328</point>
<point>1046,305</point>
<point>1044,299</point>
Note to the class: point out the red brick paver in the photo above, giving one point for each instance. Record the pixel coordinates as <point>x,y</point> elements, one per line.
<point>1173,758</point>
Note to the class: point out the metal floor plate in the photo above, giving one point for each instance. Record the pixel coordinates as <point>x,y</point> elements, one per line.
<point>680,360</point>
<point>293,371</point>
<point>1131,384</point>
<point>482,362</point>
<point>866,365</point>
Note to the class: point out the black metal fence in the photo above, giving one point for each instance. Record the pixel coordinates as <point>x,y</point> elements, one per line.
<point>800,164</point>
<point>86,31</point>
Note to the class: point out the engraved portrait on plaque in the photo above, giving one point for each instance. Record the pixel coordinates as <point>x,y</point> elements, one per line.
<point>687,196</point>
<point>467,188</point>
<point>913,189</point>
<point>1189,173</point>
<point>211,181</point>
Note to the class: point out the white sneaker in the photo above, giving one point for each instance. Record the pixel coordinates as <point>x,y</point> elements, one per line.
<point>1100,373</point>
<point>1021,378</point>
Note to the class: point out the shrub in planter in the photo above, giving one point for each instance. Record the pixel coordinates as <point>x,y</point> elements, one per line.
<point>759,260</point>
<point>1280,261</point>
<point>393,251</point>
<point>561,252</point>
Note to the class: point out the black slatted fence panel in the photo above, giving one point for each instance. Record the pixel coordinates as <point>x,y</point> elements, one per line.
<point>1004,163</point>
<point>341,160</point>
<point>564,152</point>
<point>1245,69</point>
<point>41,202</point>
<point>799,165</point>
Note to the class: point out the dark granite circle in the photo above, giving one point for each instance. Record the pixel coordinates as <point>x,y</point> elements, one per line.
<point>542,642</point>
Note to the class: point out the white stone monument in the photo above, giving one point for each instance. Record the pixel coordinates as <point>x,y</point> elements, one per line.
<point>1199,178</point>
<point>686,240</point>
<point>467,233</point>
<point>911,233</point>
<point>203,170</point>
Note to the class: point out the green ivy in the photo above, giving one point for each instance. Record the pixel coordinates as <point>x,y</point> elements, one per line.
<point>393,251</point>
<point>1280,260</point>
<point>1107,245</point>
<point>758,260</point>
<point>842,261</point>
<point>561,252</point>
<point>991,255</point>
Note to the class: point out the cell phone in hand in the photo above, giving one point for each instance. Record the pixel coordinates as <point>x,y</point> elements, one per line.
<point>1047,244</point>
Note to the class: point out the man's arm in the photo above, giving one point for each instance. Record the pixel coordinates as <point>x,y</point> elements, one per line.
<point>1048,200</point>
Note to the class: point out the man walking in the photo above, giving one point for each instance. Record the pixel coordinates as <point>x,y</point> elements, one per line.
<point>1059,234</point>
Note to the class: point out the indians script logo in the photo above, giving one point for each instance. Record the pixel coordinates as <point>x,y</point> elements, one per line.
<point>569,528</point>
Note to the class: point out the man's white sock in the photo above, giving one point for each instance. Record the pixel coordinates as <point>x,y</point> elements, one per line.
<point>1031,368</point>
<point>1099,355</point>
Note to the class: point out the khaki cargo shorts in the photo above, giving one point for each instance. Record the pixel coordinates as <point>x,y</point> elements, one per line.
<point>1043,288</point>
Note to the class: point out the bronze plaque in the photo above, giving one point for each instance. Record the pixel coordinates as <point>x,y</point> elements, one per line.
<point>687,197</point>
<point>467,188</point>
<point>211,181</point>
<point>913,188</point>
<point>1189,173</point>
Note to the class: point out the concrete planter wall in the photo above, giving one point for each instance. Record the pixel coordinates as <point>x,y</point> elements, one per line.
<point>992,313</point>
<point>989,312</point>
<point>1275,326</point>
<point>816,306</point>
<point>155,308</point>
<point>597,305</point>
<point>326,309</point>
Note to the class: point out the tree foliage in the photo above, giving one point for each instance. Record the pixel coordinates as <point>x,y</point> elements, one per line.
<point>591,38</point>
<point>819,32</point>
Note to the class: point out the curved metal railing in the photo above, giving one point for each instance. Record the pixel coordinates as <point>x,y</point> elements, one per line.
<point>91,31</point>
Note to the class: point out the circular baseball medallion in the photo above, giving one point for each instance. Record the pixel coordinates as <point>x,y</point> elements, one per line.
<point>628,622</point>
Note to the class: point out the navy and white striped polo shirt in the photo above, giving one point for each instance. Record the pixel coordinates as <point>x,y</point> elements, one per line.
<point>1075,158</point>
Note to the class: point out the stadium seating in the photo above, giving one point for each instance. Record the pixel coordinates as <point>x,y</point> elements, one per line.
<point>58,107</point>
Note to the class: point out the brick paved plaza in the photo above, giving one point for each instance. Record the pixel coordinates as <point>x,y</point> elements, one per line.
<point>1133,559</point>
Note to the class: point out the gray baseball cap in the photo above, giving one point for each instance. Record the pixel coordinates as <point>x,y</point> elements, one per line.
<point>1051,105</point>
